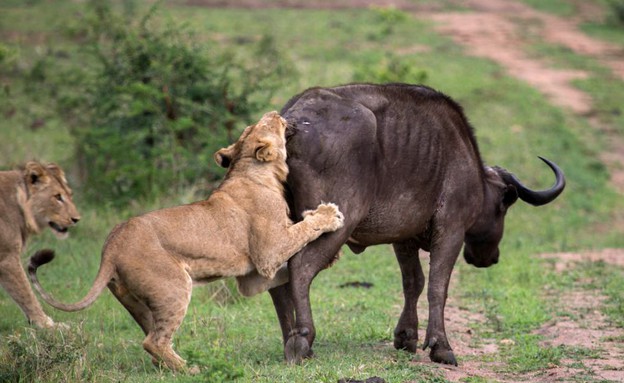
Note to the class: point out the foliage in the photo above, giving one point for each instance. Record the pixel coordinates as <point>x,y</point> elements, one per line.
<point>162,107</point>
<point>386,18</point>
<point>390,68</point>
<point>156,104</point>
<point>617,11</point>
<point>6,54</point>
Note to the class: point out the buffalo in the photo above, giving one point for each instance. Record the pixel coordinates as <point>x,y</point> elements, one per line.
<point>402,163</point>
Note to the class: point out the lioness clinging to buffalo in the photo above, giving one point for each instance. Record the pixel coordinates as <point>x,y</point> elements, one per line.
<point>31,198</point>
<point>243,229</point>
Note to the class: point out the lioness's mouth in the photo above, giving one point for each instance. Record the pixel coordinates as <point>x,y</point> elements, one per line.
<point>60,231</point>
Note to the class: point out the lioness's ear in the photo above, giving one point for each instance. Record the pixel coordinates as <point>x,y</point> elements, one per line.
<point>35,173</point>
<point>265,150</point>
<point>56,171</point>
<point>223,157</point>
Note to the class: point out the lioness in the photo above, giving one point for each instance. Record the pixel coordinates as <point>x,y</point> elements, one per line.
<point>31,198</point>
<point>151,261</point>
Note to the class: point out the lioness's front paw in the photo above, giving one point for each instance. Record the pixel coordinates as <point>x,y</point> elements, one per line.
<point>327,217</point>
<point>47,322</point>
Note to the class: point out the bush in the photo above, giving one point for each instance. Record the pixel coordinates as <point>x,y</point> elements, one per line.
<point>161,107</point>
<point>147,105</point>
<point>386,19</point>
<point>389,68</point>
<point>617,11</point>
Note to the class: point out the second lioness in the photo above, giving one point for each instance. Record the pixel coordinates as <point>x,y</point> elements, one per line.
<point>151,261</point>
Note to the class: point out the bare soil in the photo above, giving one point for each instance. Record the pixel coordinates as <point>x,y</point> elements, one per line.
<point>501,30</point>
<point>578,324</point>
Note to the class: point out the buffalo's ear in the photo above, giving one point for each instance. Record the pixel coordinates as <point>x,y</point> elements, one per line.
<point>35,174</point>
<point>265,150</point>
<point>223,157</point>
<point>510,195</point>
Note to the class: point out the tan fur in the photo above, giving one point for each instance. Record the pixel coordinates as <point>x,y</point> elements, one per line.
<point>31,198</point>
<point>243,230</point>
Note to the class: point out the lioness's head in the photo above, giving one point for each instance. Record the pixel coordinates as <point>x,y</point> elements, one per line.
<point>263,142</point>
<point>48,201</point>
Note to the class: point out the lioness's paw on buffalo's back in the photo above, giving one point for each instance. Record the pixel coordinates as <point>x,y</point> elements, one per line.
<point>326,217</point>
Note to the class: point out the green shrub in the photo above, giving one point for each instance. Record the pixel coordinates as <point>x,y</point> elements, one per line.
<point>390,68</point>
<point>617,11</point>
<point>147,105</point>
<point>162,107</point>
<point>386,18</point>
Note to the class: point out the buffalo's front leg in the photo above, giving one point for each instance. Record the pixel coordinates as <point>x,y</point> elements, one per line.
<point>406,331</point>
<point>443,257</point>
<point>303,268</point>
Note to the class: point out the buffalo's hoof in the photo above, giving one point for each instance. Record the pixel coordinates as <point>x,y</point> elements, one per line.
<point>439,355</point>
<point>297,347</point>
<point>406,340</point>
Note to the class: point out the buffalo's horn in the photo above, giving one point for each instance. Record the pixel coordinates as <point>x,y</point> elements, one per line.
<point>539,197</point>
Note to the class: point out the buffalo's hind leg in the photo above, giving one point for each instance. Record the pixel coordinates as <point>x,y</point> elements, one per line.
<point>284,309</point>
<point>406,331</point>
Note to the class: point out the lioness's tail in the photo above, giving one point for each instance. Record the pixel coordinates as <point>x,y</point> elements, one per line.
<point>42,257</point>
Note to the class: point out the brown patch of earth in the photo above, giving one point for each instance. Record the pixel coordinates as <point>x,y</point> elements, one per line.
<point>313,4</point>
<point>501,30</point>
<point>496,37</point>
<point>564,261</point>
<point>585,329</point>
<point>579,327</point>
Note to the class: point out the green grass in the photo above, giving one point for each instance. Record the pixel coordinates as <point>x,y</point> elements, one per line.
<point>557,7</point>
<point>236,339</point>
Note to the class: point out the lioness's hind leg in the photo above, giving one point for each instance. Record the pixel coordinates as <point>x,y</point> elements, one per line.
<point>138,309</point>
<point>168,305</point>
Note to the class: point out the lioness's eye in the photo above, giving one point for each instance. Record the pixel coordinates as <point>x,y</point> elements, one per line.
<point>59,197</point>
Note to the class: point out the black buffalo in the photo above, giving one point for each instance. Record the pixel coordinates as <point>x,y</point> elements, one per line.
<point>402,163</point>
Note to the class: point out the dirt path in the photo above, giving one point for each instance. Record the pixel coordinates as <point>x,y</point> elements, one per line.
<point>578,326</point>
<point>502,30</point>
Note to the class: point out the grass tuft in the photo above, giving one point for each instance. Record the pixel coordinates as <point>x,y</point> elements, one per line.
<point>32,355</point>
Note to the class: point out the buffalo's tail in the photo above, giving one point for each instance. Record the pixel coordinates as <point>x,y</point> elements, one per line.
<point>44,256</point>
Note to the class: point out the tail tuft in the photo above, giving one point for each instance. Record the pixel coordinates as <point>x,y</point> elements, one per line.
<point>41,257</point>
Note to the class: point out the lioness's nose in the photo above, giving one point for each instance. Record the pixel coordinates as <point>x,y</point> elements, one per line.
<point>75,219</point>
